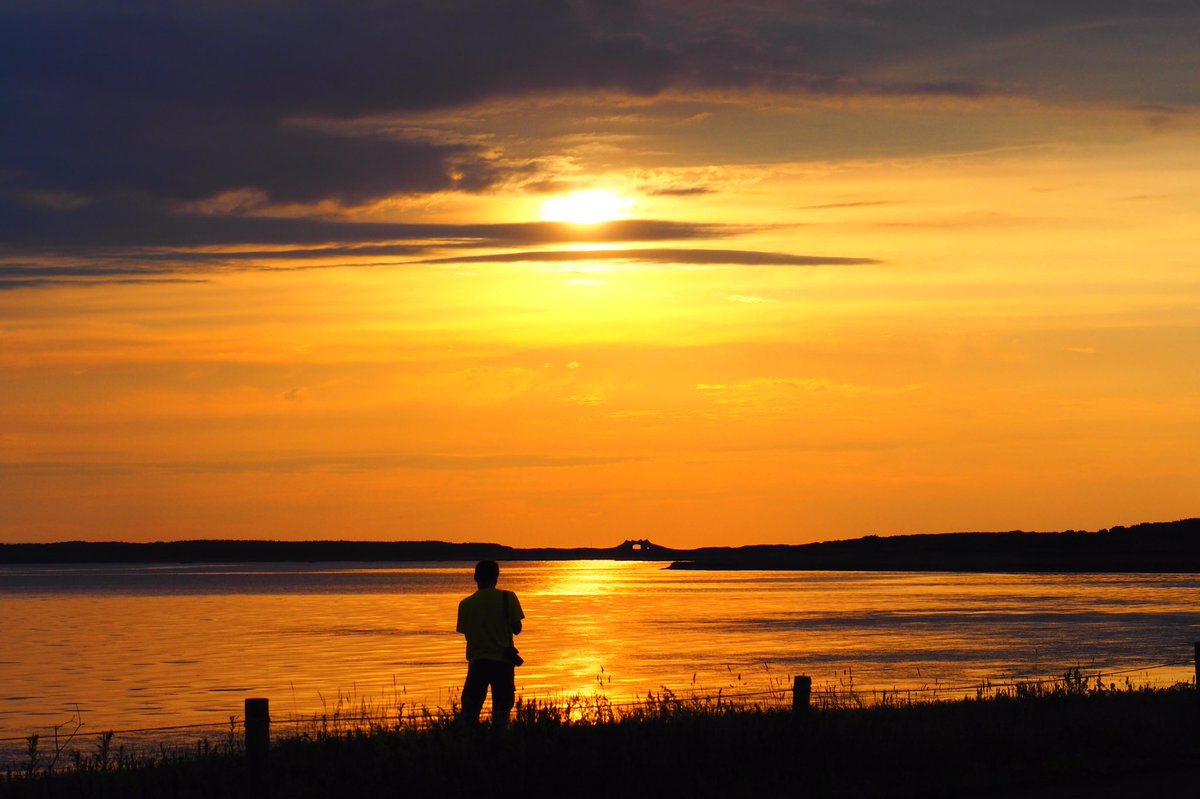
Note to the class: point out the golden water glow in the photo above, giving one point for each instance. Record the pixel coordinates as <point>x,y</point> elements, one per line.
<point>313,638</point>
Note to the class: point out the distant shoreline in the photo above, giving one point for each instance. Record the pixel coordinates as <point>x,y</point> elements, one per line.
<point>1158,547</point>
<point>1155,547</point>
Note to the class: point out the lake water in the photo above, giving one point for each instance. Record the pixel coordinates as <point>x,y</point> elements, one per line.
<point>146,646</point>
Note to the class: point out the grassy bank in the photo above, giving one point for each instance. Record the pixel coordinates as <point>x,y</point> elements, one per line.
<point>1056,734</point>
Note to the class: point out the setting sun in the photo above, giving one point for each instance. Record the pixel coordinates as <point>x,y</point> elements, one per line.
<point>586,208</point>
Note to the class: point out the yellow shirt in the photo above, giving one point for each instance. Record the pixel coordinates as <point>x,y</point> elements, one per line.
<point>481,619</point>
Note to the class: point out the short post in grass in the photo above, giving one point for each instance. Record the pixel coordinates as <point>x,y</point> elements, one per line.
<point>1197,691</point>
<point>258,738</point>
<point>801,693</point>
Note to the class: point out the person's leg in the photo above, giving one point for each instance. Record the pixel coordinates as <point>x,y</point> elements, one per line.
<point>504,692</point>
<point>474,691</point>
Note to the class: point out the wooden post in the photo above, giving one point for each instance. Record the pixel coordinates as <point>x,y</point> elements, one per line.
<point>1196,702</point>
<point>801,691</point>
<point>258,738</point>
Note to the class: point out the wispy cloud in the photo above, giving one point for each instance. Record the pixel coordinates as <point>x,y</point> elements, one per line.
<point>858,204</point>
<point>347,463</point>
<point>661,256</point>
<point>748,299</point>
<point>686,191</point>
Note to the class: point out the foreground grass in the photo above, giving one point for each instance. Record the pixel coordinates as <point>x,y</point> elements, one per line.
<point>1060,734</point>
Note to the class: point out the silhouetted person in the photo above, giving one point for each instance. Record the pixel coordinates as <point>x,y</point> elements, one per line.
<point>489,619</point>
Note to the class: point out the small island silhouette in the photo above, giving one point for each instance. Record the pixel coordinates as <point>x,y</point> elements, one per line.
<point>1149,547</point>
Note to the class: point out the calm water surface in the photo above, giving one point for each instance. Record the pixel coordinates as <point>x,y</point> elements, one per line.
<point>146,646</point>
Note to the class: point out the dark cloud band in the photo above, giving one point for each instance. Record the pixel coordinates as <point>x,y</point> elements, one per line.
<point>186,100</point>
<point>133,225</point>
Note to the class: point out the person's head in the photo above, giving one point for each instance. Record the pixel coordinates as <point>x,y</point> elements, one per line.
<point>487,572</point>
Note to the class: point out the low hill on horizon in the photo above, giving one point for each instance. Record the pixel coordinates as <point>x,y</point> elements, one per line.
<point>1150,546</point>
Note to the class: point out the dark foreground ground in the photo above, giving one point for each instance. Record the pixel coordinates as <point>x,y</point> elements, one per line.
<point>1151,784</point>
<point>1065,742</point>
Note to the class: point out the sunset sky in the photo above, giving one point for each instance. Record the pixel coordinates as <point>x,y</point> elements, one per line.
<point>565,273</point>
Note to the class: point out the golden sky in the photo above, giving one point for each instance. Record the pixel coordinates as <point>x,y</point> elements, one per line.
<point>565,273</point>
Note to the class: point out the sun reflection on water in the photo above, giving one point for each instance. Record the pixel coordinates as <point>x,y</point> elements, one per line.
<point>576,613</point>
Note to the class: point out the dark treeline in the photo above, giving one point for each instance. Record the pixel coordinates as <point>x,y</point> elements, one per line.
<point>228,551</point>
<point>1150,547</point>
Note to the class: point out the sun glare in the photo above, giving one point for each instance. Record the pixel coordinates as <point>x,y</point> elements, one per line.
<point>586,208</point>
